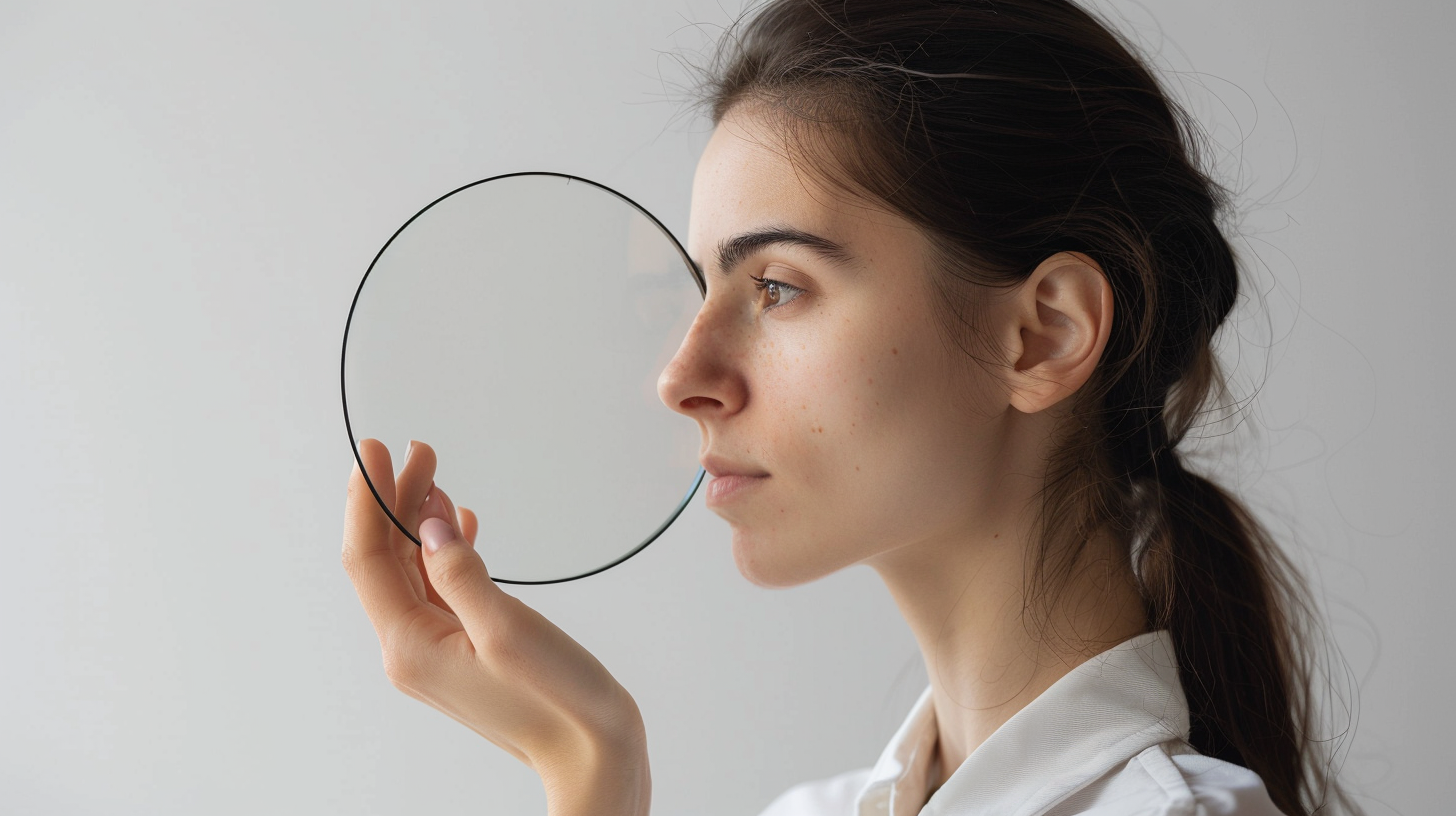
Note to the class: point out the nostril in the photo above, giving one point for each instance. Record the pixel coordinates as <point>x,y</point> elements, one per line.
<point>692,403</point>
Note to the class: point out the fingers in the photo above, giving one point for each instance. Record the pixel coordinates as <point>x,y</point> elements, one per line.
<point>469,524</point>
<point>433,507</point>
<point>459,517</point>
<point>362,514</point>
<point>437,505</point>
<point>452,515</point>
<point>400,496</point>
<point>465,524</point>
<point>369,554</point>
<point>459,575</point>
<point>430,594</point>
<point>415,481</point>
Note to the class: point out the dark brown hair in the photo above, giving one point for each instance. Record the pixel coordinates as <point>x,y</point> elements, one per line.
<point>1012,130</point>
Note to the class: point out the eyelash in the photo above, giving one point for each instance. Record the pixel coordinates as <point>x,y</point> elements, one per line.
<point>763,283</point>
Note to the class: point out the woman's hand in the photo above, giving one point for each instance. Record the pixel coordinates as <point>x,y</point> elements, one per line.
<point>454,639</point>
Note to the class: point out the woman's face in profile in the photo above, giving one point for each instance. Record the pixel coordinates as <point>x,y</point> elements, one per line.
<point>876,435</point>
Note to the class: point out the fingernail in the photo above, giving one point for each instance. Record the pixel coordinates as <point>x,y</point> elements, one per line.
<point>408,451</point>
<point>436,533</point>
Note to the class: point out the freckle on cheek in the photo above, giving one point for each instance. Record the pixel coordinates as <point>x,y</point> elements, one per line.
<point>894,350</point>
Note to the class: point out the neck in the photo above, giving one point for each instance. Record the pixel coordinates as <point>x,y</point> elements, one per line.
<point>990,648</point>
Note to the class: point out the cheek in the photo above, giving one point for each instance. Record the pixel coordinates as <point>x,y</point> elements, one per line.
<point>834,402</point>
<point>875,433</point>
<point>801,385</point>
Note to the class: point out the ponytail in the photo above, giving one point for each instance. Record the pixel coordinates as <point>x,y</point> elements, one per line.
<point>1215,581</point>
<point>1212,576</point>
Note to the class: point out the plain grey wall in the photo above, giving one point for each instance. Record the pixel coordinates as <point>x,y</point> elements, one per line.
<point>190,193</point>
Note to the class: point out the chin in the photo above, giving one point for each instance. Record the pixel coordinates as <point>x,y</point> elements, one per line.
<point>755,558</point>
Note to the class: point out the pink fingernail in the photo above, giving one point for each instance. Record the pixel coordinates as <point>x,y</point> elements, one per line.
<point>436,533</point>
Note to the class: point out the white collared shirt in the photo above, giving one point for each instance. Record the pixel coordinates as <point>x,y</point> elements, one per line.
<point>1109,738</point>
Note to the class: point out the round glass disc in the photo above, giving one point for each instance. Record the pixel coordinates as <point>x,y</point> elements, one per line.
<point>518,326</point>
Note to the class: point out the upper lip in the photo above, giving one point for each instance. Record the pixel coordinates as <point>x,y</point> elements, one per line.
<point>717,466</point>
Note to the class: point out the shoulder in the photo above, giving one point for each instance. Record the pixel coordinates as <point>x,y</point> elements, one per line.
<point>835,795</point>
<point>1171,779</point>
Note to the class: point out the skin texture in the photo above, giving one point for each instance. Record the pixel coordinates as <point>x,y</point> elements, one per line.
<point>884,445</point>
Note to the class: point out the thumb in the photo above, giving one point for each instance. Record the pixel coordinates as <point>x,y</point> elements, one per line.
<point>436,534</point>
<point>436,529</point>
<point>455,569</point>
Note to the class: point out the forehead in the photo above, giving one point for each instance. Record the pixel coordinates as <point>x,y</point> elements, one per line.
<point>746,179</point>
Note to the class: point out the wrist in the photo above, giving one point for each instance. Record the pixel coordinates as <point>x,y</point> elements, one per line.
<point>604,778</point>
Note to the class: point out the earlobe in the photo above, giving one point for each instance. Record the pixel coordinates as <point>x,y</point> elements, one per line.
<point>1061,320</point>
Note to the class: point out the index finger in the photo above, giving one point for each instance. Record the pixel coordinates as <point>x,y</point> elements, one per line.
<point>369,556</point>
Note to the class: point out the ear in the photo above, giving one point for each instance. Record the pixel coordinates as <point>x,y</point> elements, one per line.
<point>1060,319</point>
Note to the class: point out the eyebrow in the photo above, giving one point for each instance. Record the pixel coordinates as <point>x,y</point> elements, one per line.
<point>733,251</point>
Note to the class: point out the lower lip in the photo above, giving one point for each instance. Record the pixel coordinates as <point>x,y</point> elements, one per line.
<point>725,488</point>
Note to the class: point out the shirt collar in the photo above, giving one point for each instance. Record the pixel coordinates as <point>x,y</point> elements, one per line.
<point>1094,718</point>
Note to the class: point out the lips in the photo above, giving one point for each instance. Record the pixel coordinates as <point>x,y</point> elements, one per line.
<point>720,467</point>
<point>731,478</point>
<point>724,488</point>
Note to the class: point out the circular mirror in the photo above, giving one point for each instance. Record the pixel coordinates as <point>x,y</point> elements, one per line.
<point>518,326</point>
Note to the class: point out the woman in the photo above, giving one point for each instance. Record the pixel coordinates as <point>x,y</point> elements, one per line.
<point>963,272</point>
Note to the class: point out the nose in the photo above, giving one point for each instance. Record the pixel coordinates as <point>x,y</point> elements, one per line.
<point>704,379</point>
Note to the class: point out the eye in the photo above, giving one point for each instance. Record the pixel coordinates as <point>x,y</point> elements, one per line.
<point>775,290</point>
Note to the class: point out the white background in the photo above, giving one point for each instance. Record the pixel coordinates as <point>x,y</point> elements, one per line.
<point>190,193</point>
